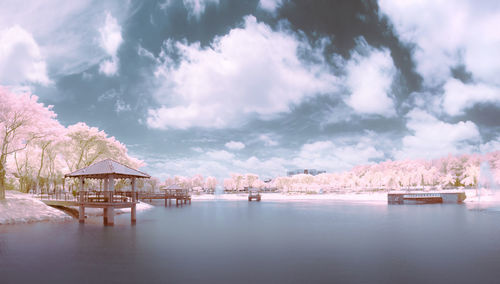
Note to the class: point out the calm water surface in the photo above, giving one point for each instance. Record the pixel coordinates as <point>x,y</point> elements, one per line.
<point>266,242</point>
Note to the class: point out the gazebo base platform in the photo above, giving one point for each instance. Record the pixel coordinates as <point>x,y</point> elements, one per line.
<point>108,211</point>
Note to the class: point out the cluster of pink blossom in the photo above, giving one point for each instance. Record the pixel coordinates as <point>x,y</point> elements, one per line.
<point>450,171</point>
<point>195,183</point>
<point>36,150</point>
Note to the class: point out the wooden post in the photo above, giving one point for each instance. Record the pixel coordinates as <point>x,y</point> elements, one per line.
<point>111,183</point>
<point>105,210</point>
<point>111,216</point>
<point>133,217</point>
<point>105,215</point>
<point>81,212</point>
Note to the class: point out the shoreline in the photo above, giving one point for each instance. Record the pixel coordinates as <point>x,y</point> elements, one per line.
<point>21,208</point>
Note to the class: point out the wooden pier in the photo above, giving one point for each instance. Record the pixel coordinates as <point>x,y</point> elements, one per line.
<point>181,196</point>
<point>416,197</point>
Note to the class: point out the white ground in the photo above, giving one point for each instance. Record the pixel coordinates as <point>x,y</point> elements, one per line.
<point>22,208</point>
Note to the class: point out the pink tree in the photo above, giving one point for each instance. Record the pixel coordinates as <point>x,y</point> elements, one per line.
<point>22,120</point>
<point>87,145</point>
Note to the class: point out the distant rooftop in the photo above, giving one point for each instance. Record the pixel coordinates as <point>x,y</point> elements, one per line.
<point>305,171</point>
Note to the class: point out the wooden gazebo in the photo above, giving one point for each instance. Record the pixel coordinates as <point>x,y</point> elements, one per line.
<point>107,170</point>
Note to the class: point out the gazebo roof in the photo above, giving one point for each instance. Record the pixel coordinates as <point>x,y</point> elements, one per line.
<point>106,168</point>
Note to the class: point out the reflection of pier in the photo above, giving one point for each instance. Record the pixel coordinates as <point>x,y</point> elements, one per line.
<point>425,197</point>
<point>107,170</point>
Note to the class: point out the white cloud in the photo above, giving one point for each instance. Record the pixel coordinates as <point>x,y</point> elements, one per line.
<point>369,78</point>
<point>433,138</point>
<point>490,146</point>
<point>121,106</point>
<point>270,5</point>
<point>251,71</point>
<point>21,60</point>
<point>110,41</point>
<point>220,155</point>
<point>65,31</point>
<point>235,145</point>
<point>448,34</point>
<point>459,96</point>
<point>197,149</point>
<point>108,95</point>
<point>109,67</point>
<point>268,141</point>
<point>197,7</point>
<point>337,156</point>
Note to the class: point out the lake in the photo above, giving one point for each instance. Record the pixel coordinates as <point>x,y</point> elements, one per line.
<point>262,242</point>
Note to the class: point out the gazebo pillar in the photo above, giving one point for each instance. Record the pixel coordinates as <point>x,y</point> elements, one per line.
<point>81,212</point>
<point>110,214</point>
<point>105,195</point>
<point>133,218</point>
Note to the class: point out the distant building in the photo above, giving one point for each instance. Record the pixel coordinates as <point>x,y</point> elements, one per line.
<point>313,172</point>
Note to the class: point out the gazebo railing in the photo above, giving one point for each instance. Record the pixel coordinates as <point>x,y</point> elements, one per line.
<point>103,197</point>
<point>62,196</point>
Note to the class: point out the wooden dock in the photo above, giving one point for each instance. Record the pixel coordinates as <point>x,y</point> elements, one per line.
<point>181,196</point>
<point>416,197</point>
<point>107,200</point>
<point>253,194</point>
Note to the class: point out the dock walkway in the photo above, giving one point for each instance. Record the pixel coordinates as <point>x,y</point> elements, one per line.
<point>413,197</point>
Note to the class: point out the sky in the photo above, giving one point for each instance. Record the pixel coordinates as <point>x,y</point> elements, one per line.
<point>263,86</point>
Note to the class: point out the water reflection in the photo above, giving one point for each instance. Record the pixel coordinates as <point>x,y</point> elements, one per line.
<point>268,242</point>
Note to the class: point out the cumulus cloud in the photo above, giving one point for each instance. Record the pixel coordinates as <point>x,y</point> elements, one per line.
<point>270,5</point>
<point>459,96</point>
<point>235,145</point>
<point>110,41</point>
<point>21,60</point>
<point>337,156</point>
<point>268,141</point>
<point>65,31</point>
<point>251,71</point>
<point>370,73</point>
<point>432,138</point>
<point>323,155</point>
<point>448,34</point>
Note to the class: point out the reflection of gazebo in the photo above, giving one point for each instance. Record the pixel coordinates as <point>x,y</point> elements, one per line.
<point>106,170</point>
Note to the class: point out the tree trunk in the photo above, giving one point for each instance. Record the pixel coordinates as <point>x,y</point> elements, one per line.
<point>2,184</point>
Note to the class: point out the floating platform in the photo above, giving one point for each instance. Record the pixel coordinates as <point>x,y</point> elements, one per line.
<point>418,197</point>
<point>253,195</point>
